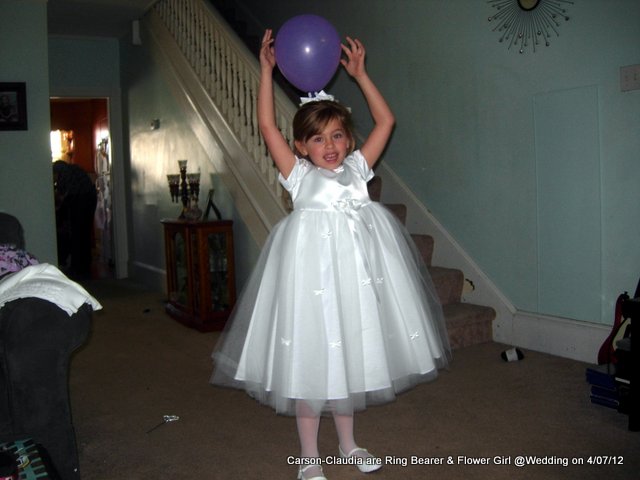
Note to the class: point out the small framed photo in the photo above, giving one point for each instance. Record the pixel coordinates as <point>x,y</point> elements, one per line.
<point>13,106</point>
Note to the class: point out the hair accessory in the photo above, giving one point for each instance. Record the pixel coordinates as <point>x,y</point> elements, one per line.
<point>317,97</point>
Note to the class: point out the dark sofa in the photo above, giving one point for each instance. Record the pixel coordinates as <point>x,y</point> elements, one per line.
<point>37,339</point>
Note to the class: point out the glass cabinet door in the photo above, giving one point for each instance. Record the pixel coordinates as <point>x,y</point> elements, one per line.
<point>180,293</point>
<point>218,271</point>
<point>195,275</point>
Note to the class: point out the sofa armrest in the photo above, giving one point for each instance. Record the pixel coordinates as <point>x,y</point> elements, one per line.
<point>37,339</point>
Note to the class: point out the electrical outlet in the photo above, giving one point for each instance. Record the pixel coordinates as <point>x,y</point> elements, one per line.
<point>630,78</point>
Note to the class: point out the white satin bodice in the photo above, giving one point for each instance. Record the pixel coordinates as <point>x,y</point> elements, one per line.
<point>322,189</point>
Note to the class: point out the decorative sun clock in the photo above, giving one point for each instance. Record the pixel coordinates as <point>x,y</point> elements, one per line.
<point>528,23</point>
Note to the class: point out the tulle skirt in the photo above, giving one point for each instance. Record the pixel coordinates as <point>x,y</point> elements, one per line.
<point>339,311</point>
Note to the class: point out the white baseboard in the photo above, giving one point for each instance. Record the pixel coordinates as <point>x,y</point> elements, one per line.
<point>149,275</point>
<point>558,336</point>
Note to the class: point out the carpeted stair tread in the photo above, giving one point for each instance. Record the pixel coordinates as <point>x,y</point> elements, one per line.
<point>468,324</point>
<point>448,283</point>
<point>375,188</point>
<point>399,210</point>
<point>424,244</point>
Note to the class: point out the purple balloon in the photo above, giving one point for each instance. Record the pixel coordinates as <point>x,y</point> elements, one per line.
<point>307,50</point>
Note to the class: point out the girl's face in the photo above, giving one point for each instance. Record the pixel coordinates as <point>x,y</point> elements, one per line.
<point>328,148</point>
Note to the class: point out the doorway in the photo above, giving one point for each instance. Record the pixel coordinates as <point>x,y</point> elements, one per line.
<point>81,126</point>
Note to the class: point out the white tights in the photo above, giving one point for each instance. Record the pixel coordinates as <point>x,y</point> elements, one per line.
<point>308,423</point>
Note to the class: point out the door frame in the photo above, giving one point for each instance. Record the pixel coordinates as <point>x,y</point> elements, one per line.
<point>118,173</point>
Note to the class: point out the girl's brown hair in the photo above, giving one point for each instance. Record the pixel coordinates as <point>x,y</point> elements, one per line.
<point>312,117</point>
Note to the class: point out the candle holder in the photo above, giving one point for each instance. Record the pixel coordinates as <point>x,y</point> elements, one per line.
<point>185,187</point>
<point>174,186</point>
<point>194,212</point>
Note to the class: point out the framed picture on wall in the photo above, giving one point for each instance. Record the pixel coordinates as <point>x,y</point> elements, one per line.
<point>13,106</point>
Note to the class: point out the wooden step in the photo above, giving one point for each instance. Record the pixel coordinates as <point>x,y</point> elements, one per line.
<point>468,324</point>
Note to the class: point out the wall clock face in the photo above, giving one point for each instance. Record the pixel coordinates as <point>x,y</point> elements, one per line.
<point>528,24</point>
<point>528,4</point>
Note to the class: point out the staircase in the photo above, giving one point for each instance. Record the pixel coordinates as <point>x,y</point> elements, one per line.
<point>203,39</point>
<point>467,324</point>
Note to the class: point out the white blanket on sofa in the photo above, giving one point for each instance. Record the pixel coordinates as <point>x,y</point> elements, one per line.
<point>48,283</point>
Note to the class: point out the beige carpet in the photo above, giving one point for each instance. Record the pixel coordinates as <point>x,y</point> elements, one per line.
<point>139,365</point>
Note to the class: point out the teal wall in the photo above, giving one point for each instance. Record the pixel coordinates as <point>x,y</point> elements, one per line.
<point>155,153</point>
<point>81,67</point>
<point>50,66</point>
<point>479,141</point>
<point>25,156</point>
<point>84,66</point>
<point>473,139</point>
<point>90,68</point>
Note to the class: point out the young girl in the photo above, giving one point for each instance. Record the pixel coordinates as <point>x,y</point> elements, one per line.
<point>339,312</point>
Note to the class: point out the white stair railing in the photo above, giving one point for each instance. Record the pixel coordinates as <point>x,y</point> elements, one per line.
<point>230,75</point>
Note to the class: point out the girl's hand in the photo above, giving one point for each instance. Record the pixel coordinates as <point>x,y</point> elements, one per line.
<point>354,63</point>
<point>267,53</point>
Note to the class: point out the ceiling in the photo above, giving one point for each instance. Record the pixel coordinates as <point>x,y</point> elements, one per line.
<point>94,18</point>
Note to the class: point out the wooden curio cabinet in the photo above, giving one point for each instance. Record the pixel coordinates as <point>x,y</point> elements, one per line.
<point>201,284</point>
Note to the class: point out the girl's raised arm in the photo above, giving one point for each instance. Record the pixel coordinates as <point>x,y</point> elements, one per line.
<point>383,117</point>
<point>278,148</point>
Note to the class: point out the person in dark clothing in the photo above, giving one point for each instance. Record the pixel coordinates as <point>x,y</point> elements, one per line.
<point>76,199</point>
